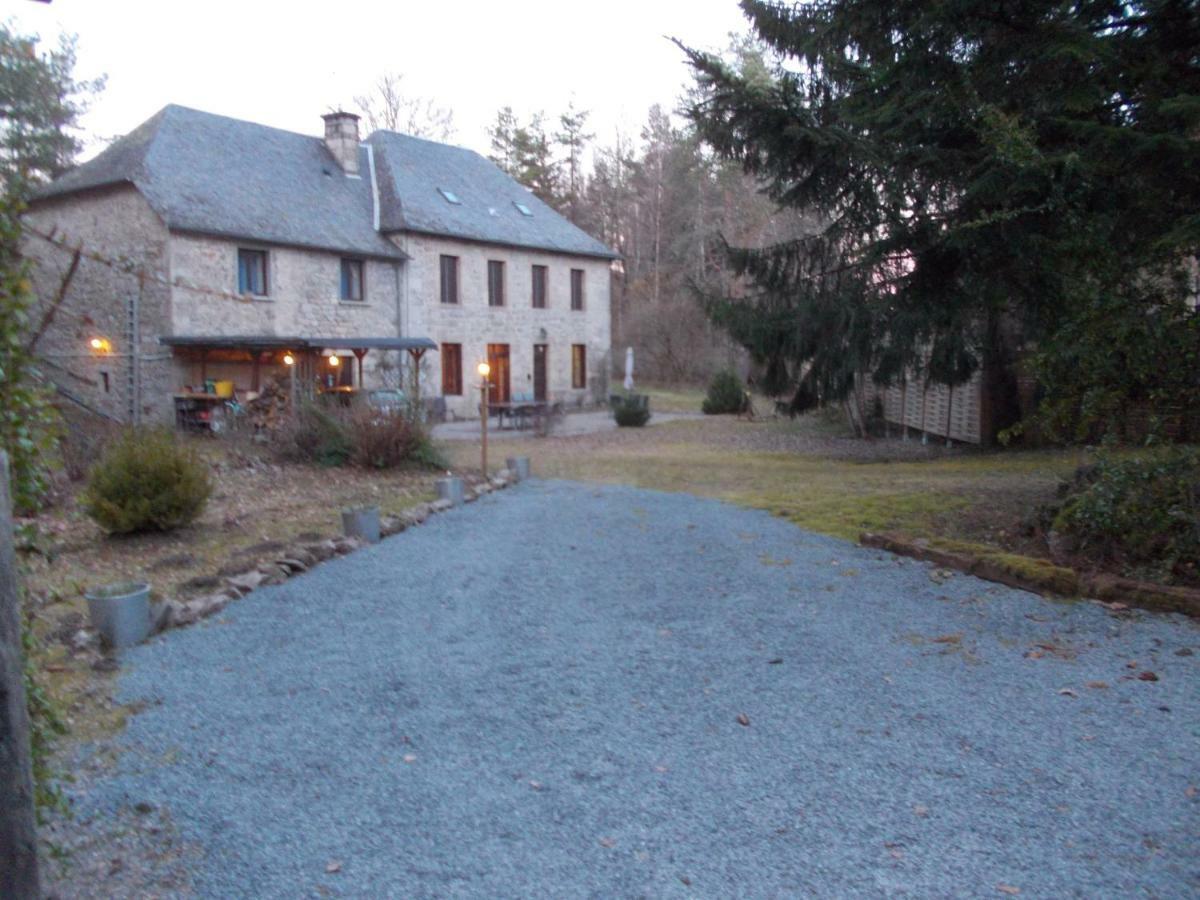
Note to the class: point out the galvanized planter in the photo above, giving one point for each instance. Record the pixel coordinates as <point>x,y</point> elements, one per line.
<point>450,488</point>
<point>120,613</point>
<point>519,466</point>
<point>362,523</point>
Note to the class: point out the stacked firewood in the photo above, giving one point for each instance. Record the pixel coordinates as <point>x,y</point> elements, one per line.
<point>269,409</point>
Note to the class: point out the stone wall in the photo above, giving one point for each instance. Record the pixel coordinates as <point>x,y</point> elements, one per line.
<point>116,223</point>
<point>302,300</point>
<point>401,299</point>
<point>475,324</point>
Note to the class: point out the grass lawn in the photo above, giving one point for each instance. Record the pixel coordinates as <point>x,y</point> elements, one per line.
<point>814,473</point>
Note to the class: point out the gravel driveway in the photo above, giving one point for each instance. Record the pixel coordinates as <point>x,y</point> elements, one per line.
<point>569,691</point>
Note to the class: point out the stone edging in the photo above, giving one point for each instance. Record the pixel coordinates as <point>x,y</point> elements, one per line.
<point>173,613</point>
<point>1057,580</point>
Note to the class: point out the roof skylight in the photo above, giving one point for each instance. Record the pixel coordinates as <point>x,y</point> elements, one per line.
<point>450,196</point>
<point>523,209</point>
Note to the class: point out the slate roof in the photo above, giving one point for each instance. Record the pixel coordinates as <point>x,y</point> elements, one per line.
<point>411,170</point>
<point>216,175</point>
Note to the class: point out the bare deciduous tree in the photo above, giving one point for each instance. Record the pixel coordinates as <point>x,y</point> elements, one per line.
<point>389,108</point>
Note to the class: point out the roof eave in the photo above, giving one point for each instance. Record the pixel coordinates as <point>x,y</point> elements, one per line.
<point>516,245</point>
<point>397,256</point>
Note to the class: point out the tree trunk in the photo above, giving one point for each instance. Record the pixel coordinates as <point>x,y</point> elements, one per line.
<point>18,837</point>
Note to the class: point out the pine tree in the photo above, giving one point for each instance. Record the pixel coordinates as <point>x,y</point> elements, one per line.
<point>40,106</point>
<point>987,175</point>
<point>572,138</point>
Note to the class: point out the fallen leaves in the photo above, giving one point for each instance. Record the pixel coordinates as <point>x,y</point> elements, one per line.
<point>921,810</point>
<point>608,842</point>
<point>1147,676</point>
<point>948,638</point>
<point>333,866</point>
<point>1010,889</point>
<point>1097,685</point>
<point>1067,692</point>
<point>743,720</point>
<point>1049,648</point>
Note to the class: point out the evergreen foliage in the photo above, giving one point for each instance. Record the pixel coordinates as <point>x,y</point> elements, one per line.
<point>1140,512</point>
<point>147,481</point>
<point>40,106</point>
<point>632,411</point>
<point>726,394</point>
<point>28,422</point>
<point>985,177</point>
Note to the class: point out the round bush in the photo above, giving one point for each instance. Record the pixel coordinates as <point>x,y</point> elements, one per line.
<point>146,481</point>
<point>630,415</point>
<point>726,394</point>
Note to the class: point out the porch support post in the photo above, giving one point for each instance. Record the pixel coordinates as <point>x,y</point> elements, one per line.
<point>416,353</point>
<point>359,354</point>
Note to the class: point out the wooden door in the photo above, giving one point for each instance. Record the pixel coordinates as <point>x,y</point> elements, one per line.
<point>500,391</point>
<point>539,373</point>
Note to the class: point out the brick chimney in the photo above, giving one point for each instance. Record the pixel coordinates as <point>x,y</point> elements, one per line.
<point>341,137</point>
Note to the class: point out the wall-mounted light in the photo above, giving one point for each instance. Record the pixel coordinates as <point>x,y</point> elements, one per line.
<point>334,361</point>
<point>100,345</point>
<point>483,369</point>
<point>288,359</point>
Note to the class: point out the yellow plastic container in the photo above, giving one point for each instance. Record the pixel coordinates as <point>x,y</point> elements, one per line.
<point>223,388</point>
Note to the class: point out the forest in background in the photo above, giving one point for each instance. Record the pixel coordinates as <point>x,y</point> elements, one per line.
<point>660,198</point>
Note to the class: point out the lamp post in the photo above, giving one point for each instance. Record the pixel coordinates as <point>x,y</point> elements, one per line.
<point>484,371</point>
<point>290,362</point>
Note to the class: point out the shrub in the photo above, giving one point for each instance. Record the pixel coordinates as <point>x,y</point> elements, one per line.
<point>383,440</point>
<point>146,481</point>
<point>1142,512</point>
<point>315,435</point>
<point>632,411</point>
<point>367,437</point>
<point>725,394</point>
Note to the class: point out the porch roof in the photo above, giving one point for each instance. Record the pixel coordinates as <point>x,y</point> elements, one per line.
<point>278,342</point>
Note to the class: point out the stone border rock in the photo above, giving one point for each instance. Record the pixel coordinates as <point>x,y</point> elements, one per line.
<point>1043,577</point>
<point>294,560</point>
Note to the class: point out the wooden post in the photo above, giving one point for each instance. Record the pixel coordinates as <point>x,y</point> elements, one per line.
<point>359,354</point>
<point>483,422</point>
<point>18,836</point>
<point>416,353</point>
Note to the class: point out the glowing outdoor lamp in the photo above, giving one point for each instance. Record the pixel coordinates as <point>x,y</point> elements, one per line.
<point>484,371</point>
<point>334,361</point>
<point>290,362</point>
<point>100,345</point>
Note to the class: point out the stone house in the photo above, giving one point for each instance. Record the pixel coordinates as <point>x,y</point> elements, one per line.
<point>200,247</point>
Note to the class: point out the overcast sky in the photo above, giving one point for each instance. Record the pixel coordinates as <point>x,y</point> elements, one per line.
<point>286,63</point>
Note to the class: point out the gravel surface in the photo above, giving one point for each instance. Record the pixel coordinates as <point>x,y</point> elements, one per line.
<point>569,691</point>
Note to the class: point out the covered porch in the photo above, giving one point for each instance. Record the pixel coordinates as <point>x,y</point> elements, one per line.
<point>216,372</point>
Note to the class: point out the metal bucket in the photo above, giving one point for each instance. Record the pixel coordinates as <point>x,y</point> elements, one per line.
<point>519,466</point>
<point>450,488</point>
<point>362,523</point>
<point>120,613</point>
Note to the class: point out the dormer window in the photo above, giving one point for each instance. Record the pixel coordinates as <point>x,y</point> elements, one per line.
<point>523,209</point>
<point>450,196</point>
